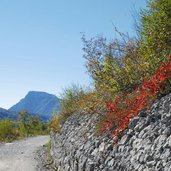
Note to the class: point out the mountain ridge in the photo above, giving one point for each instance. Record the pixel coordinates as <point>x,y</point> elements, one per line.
<point>38,103</point>
<point>4,113</point>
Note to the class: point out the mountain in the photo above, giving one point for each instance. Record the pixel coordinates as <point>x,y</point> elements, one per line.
<point>7,114</point>
<point>38,103</point>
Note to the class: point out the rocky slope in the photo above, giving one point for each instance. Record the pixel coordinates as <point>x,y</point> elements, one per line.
<point>146,145</point>
<point>4,114</point>
<point>39,103</point>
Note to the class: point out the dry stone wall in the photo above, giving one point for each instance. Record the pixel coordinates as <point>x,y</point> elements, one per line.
<point>146,145</point>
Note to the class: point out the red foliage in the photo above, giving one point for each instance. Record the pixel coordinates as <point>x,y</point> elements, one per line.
<point>124,108</point>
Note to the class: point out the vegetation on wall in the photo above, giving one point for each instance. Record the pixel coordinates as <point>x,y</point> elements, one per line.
<point>125,107</point>
<point>128,74</point>
<point>155,33</point>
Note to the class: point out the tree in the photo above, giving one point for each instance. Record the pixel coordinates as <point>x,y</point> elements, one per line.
<point>23,123</point>
<point>112,64</point>
<point>7,131</point>
<point>155,32</point>
<point>31,125</point>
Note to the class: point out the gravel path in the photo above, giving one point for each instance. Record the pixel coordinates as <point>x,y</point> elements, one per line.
<point>20,155</point>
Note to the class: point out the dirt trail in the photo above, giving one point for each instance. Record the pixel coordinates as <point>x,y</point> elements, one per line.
<point>20,155</point>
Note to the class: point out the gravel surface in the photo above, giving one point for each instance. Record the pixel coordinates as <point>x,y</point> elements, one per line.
<point>20,155</point>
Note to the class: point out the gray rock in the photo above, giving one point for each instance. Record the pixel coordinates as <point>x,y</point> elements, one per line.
<point>125,139</point>
<point>165,154</point>
<point>102,147</point>
<point>94,153</point>
<point>167,131</point>
<point>97,143</point>
<point>146,144</point>
<point>133,123</point>
<point>111,162</point>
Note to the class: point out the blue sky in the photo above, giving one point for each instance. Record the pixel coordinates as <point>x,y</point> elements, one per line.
<point>40,41</point>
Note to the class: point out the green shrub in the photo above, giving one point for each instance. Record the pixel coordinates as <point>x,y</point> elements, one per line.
<point>76,99</point>
<point>120,65</point>
<point>55,124</point>
<point>90,102</point>
<point>31,125</point>
<point>7,130</point>
<point>114,66</point>
<point>26,125</point>
<point>70,97</point>
<point>155,33</point>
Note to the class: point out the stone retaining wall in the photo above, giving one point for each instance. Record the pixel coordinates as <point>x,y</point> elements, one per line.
<point>146,146</point>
